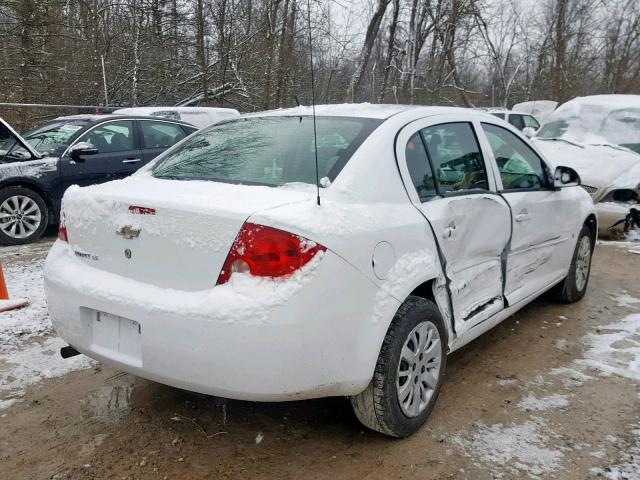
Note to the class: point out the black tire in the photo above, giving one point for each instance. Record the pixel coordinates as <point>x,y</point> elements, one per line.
<point>569,290</point>
<point>6,193</point>
<point>378,406</point>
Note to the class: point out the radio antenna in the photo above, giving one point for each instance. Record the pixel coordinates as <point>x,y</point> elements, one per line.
<point>313,103</point>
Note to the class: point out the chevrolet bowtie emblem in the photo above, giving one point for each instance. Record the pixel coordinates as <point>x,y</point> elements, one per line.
<point>128,232</point>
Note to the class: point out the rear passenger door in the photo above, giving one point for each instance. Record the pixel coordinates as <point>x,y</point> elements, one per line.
<point>156,137</point>
<point>449,181</point>
<point>540,246</point>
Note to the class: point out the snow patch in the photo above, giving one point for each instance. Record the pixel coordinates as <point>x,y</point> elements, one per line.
<point>33,362</point>
<point>27,352</point>
<point>516,448</point>
<point>533,404</point>
<point>615,348</point>
<point>400,278</point>
<point>625,300</point>
<point>628,466</point>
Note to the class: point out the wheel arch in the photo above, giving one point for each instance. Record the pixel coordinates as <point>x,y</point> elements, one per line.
<point>36,187</point>
<point>592,223</point>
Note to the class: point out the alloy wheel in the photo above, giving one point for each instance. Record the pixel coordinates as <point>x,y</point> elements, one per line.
<point>20,216</point>
<point>419,368</point>
<point>583,261</point>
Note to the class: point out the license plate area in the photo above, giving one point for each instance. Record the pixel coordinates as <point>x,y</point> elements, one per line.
<point>117,337</point>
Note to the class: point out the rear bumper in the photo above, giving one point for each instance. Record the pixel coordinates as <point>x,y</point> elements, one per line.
<point>308,339</point>
<point>609,213</point>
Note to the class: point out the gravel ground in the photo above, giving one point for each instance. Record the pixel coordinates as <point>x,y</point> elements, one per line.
<point>553,392</point>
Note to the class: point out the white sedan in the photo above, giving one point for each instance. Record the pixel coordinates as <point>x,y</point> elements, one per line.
<point>218,269</point>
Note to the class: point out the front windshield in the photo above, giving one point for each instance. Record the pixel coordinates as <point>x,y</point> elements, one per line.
<point>49,137</point>
<point>269,151</point>
<point>595,124</point>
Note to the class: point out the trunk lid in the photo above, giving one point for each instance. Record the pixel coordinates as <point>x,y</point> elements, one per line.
<point>178,238</point>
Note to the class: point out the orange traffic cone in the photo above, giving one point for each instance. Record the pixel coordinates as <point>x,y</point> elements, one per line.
<point>5,303</point>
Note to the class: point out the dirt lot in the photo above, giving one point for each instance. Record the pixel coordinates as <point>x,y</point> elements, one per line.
<point>553,392</point>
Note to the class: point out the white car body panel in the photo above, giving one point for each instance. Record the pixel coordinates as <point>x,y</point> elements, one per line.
<point>319,332</point>
<point>601,167</point>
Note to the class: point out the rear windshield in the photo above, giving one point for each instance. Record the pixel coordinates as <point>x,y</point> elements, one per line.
<point>268,151</point>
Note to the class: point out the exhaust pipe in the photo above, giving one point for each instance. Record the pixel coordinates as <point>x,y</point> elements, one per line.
<point>68,352</point>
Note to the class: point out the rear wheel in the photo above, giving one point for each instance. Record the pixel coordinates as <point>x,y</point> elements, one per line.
<point>23,216</point>
<point>574,286</point>
<point>409,371</point>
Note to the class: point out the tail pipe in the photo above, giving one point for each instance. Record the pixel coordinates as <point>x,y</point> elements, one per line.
<point>68,352</point>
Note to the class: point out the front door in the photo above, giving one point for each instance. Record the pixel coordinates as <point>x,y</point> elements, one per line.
<point>118,155</point>
<point>456,193</point>
<point>540,245</point>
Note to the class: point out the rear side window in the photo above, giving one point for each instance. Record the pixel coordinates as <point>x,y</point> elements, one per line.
<point>419,168</point>
<point>455,156</point>
<point>520,167</point>
<point>499,115</point>
<point>516,121</point>
<point>160,134</point>
<point>269,151</point>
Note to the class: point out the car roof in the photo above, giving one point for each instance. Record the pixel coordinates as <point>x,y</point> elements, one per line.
<point>361,110</point>
<point>147,110</point>
<point>115,116</point>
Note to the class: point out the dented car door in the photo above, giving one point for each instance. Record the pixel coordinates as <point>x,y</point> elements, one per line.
<point>455,190</point>
<point>540,248</point>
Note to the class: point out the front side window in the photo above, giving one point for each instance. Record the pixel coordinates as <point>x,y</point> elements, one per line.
<point>455,156</point>
<point>111,137</point>
<point>529,121</point>
<point>269,151</point>
<point>419,168</point>
<point>520,167</point>
<point>160,134</point>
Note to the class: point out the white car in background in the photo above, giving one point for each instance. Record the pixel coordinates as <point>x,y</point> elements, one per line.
<point>540,109</point>
<point>218,269</point>
<point>599,136</point>
<point>526,123</point>
<point>197,116</point>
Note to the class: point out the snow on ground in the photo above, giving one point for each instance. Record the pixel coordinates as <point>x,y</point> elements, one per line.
<point>528,448</point>
<point>629,466</point>
<point>614,349</point>
<point>625,300</point>
<point>28,351</point>
<point>531,403</point>
<point>515,448</point>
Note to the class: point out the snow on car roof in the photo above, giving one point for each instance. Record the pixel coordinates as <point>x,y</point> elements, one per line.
<point>362,110</point>
<point>597,119</point>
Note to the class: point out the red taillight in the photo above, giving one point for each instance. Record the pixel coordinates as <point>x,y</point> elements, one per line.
<point>62,230</point>
<point>267,252</point>
<point>137,210</point>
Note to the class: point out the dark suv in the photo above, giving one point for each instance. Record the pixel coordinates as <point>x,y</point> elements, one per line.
<point>38,167</point>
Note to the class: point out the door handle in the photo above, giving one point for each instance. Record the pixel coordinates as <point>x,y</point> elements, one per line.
<point>449,231</point>
<point>132,160</point>
<point>522,217</point>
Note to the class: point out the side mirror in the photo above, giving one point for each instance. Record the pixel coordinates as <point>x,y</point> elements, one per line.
<point>565,177</point>
<point>529,132</point>
<point>82,148</point>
